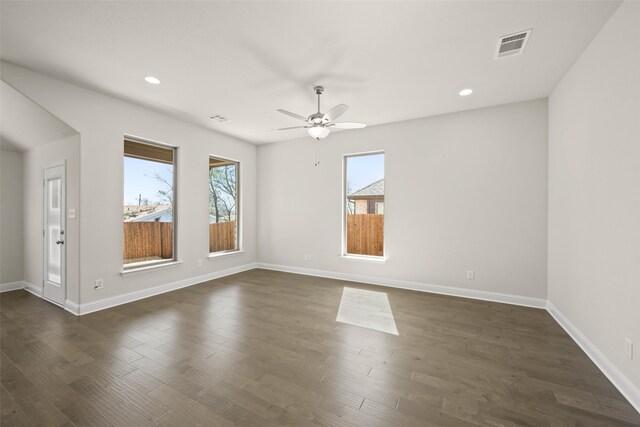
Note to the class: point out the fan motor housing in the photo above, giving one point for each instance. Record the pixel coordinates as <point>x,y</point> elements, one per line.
<point>317,119</point>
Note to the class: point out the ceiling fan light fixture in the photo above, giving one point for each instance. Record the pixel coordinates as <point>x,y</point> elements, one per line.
<point>318,132</point>
<point>319,125</point>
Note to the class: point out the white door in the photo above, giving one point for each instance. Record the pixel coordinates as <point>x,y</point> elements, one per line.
<point>54,234</point>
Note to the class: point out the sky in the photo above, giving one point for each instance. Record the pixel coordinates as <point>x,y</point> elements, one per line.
<point>138,179</point>
<point>364,170</point>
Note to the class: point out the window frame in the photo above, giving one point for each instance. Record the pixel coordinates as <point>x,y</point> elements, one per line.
<point>239,205</point>
<point>174,207</point>
<point>343,251</point>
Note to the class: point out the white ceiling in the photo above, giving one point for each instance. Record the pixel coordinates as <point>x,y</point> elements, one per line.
<point>17,132</point>
<point>389,61</point>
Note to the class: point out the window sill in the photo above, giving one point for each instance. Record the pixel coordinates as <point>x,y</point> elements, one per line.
<point>140,270</point>
<point>224,254</point>
<point>365,258</point>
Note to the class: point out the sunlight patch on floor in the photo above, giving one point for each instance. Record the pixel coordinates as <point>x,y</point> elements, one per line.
<point>368,309</point>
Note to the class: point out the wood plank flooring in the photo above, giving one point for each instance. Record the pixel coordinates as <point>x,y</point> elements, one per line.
<point>262,348</point>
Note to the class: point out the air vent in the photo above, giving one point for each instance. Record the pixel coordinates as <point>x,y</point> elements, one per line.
<point>220,119</point>
<point>513,44</point>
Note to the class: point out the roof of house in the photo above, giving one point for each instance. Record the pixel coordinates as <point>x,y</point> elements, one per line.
<point>136,213</point>
<point>375,189</point>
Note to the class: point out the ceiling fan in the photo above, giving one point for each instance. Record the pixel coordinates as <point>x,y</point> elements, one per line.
<point>319,125</point>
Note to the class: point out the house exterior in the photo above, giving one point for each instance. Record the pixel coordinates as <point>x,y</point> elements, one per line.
<point>369,200</point>
<point>148,213</point>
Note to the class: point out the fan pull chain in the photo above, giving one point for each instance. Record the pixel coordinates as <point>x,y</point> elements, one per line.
<point>317,145</point>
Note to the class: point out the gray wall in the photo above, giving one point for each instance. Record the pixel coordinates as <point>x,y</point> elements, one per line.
<point>464,191</point>
<point>102,121</point>
<point>594,191</point>
<point>11,214</point>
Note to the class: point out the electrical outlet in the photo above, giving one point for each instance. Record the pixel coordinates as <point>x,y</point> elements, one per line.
<point>199,263</point>
<point>308,257</point>
<point>99,284</point>
<point>470,274</point>
<point>628,348</point>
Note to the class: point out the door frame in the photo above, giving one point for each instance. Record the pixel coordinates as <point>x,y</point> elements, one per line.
<point>63,217</point>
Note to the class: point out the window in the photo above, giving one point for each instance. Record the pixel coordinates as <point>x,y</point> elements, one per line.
<point>364,204</point>
<point>223,205</point>
<point>149,204</point>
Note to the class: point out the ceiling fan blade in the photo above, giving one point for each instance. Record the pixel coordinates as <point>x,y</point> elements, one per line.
<point>335,112</point>
<point>294,115</point>
<point>347,125</point>
<point>295,127</point>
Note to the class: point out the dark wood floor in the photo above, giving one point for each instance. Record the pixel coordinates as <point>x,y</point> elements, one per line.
<point>263,348</point>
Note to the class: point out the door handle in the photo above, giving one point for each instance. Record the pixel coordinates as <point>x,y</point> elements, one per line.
<point>59,242</point>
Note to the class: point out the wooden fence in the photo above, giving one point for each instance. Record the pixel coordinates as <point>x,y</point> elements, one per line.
<point>144,240</point>
<point>222,236</point>
<point>365,234</point>
<point>154,240</point>
<point>148,240</point>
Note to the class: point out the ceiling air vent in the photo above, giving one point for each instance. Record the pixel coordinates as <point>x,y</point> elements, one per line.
<point>513,44</point>
<point>220,119</point>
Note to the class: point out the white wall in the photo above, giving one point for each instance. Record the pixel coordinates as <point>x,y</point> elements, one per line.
<point>464,191</point>
<point>35,161</point>
<point>101,122</point>
<point>11,266</point>
<point>594,191</point>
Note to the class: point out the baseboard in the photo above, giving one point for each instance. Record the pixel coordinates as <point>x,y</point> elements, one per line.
<point>12,286</point>
<point>628,389</point>
<point>414,286</point>
<point>80,309</point>
<point>72,307</point>
<point>35,290</point>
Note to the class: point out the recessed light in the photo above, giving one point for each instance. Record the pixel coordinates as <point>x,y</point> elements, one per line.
<point>465,92</point>
<point>152,80</point>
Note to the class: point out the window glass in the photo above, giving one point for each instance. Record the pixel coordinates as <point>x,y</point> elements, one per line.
<point>149,204</point>
<point>223,205</point>
<point>364,204</point>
